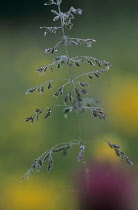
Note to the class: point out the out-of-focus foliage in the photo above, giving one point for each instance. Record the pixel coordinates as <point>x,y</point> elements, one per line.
<point>37,194</point>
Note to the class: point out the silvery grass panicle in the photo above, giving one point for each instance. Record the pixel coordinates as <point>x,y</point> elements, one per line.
<point>74,99</point>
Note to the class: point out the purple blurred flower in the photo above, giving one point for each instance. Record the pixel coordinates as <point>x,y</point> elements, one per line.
<point>104,187</point>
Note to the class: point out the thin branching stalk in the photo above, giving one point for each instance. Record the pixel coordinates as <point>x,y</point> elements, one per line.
<point>74,98</point>
<point>66,49</point>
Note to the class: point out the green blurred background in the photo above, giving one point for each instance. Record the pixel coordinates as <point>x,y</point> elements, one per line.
<point>114,25</point>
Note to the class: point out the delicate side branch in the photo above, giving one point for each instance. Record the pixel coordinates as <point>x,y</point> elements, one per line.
<point>63,148</point>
